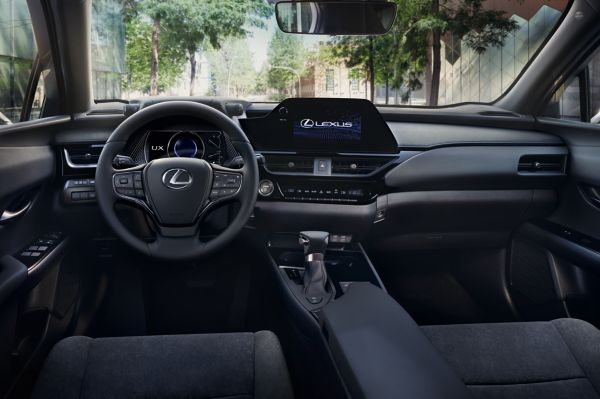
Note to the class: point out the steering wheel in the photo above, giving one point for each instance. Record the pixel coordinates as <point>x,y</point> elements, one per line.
<point>177,192</point>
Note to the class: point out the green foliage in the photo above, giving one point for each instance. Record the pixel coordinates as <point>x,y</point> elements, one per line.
<point>285,51</point>
<point>400,56</point>
<point>137,58</point>
<point>199,23</point>
<point>187,26</point>
<point>231,68</point>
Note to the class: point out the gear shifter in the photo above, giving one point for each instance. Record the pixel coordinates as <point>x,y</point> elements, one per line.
<point>315,275</point>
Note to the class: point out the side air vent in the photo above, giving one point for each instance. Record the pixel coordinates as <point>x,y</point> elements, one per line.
<point>542,164</point>
<point>289,164</point>
<point>83,155</point>
<point>356,166</point>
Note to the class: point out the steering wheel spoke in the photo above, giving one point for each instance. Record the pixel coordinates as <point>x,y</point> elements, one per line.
<point>128,186</point>
<point>226,184</point>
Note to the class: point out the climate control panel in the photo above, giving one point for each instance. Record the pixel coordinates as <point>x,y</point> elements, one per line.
<point>327,191</point>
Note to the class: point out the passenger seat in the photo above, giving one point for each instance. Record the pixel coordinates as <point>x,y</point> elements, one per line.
<point>555,360</point>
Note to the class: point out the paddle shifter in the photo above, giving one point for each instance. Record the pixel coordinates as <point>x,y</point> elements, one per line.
<point>315,275</point>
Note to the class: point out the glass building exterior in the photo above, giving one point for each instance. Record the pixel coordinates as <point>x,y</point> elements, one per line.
<point>17,51</point>
<point>467,76</point>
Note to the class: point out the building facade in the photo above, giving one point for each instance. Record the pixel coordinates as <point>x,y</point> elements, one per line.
<point>17,51</point>
<point>467,76</point>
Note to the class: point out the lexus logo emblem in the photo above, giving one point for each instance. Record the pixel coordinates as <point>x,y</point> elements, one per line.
<point>307,123</point>
<point>177,179</point>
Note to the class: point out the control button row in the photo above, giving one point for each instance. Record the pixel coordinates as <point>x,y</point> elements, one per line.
<point>226,180</point>
<point>81,183</point>
<point>32,254</point>
<point>83,195</point>
<point>40,247</point>
<point>129,184</point>
<point>131,192</point>
<point>322,199</point>
<point>340,238</point>
<point>312,191</point>
<point>128,180</point>
<point>222,192</point>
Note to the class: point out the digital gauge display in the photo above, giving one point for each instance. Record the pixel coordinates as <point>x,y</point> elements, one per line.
<point>183,144</point>
<point>186,145</point>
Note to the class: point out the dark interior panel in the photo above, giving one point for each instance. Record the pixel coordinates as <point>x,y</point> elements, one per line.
<point>428,135</point>
<point>473,168</point>
<point>457,219</point>
<point>24,167</point>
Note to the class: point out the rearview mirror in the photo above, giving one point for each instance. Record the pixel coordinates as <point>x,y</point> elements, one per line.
<point>336,17</point>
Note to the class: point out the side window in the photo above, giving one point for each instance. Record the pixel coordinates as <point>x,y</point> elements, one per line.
<point>579,98</point>
<point>17,53</point>
<point>594,78</point>
<point>38,97</point>
<point>566,102</point>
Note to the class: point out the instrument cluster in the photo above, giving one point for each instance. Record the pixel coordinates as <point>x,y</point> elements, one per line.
<point>205,145</point>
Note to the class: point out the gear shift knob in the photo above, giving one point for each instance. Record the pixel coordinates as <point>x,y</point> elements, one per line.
<point>314,242</point>
<point>315,275</point>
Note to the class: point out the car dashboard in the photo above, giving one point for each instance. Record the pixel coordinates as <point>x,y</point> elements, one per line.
<point>345,166</point>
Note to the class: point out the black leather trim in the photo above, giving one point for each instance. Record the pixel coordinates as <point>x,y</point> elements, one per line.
<point>382,353</point>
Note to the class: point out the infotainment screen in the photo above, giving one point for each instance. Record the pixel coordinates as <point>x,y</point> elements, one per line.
<point>322,125</point>
<point>336,127</point>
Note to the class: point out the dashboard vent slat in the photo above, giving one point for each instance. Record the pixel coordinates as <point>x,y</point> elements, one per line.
<point>82,155</point>
<point>340,165</point>
<point>289,164</point>
<point>356,166</point>
<point>542,164</point>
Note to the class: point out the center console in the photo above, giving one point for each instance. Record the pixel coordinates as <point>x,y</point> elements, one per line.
<point>346,263</point>
<point>322,150</point>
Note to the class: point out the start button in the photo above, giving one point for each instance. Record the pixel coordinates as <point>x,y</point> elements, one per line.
<point>266,188</point>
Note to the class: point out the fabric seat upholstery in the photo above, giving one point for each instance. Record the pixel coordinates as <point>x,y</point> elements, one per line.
<point>551,360</point>
<point>232,366</point>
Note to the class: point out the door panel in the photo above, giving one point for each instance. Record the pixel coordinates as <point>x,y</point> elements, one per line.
<point>28,164</point>
<point>554,268</point>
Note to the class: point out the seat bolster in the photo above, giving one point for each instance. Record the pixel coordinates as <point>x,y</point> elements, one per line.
<point>271,378</point>
<point>63,373</point>
<point>583,340</point>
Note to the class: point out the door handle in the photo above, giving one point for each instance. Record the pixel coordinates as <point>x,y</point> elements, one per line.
<point>7,215</point>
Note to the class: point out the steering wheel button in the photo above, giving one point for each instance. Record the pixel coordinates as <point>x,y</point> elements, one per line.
<point>139,193</point>
<point>126,191</point>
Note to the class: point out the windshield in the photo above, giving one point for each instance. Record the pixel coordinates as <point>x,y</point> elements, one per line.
<point>437,53</point>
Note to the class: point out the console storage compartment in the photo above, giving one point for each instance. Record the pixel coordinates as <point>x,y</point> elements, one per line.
<point>381,352</point>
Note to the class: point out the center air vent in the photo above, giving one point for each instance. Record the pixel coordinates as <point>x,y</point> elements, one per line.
<point>82,155</point>
<point>542,164</point>
<point>356,166</point>
<point>289,164</point>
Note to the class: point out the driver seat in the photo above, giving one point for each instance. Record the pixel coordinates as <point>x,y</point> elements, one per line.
<point>232,366</point>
